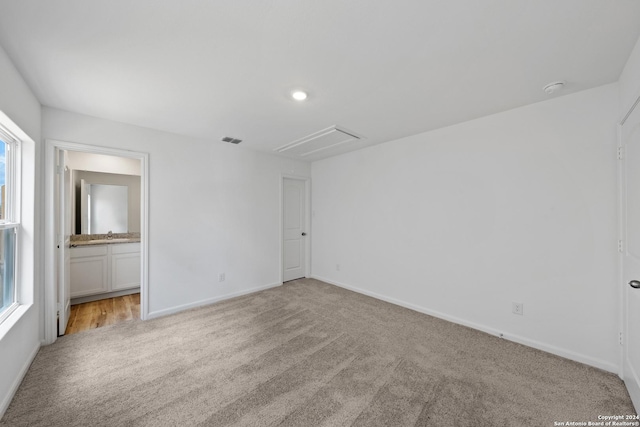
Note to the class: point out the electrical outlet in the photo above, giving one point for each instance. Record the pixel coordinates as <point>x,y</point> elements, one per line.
<point>337,267</point>
<point>517,308</point>
<point>221,277</point>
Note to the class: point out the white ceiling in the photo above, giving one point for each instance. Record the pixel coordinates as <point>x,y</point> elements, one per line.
<point>382,69</point>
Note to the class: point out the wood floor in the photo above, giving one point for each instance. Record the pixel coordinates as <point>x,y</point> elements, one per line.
<point>95,314</point>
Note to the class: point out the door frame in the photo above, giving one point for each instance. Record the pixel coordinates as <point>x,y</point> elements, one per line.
<point>621,234</point>
<point>307,225</point>
<point>624,370</point>
<point>50,244</point>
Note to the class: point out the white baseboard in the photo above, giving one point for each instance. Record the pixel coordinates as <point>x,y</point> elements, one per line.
<point>16,383</point>
<point>183,307</point>
<point>567,354</point>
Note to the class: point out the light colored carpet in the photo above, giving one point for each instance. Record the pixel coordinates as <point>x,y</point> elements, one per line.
<point>305,354</point>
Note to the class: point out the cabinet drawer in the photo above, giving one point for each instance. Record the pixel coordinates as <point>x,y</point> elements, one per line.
<point>125,248</point>
<point>88,251</point>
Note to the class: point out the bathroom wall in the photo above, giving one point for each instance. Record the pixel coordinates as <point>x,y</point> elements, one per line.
<point>78,160</point>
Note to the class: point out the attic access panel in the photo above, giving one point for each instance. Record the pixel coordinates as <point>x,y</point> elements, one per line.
<point>318,141</point>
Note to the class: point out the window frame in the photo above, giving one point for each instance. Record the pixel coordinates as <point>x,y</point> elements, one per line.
<point>11,221</point>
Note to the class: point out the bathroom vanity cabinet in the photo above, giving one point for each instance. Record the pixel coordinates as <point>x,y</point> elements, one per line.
<point>104,269</point>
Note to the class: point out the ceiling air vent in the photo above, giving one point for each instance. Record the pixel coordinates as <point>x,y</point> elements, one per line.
<point>318,141</point>
<point>231,140</point>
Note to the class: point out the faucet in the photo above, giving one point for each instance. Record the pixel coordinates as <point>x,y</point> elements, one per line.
<point>109,235</point>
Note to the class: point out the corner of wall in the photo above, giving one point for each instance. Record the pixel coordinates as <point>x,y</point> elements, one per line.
<point>629,82</point>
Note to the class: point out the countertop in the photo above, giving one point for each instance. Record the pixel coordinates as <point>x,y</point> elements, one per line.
<point>95,242</point>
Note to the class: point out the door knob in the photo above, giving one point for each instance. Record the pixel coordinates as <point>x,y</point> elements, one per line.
<point>304,234</point>
<point>635,284</point>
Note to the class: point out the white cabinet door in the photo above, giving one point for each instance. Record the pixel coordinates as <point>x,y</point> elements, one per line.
<point>125,271</point>
<point>89,270</point>
<point>125,266</point>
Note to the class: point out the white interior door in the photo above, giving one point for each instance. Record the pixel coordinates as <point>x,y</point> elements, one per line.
<point>64,238</point>
<point>630,133</point>
<point>294,232</point>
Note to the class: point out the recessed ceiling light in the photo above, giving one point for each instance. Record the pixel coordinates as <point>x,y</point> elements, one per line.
<point>299,95</point>
<point>553,87</point>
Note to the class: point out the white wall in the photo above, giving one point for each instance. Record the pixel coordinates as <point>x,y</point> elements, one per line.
<point>20,334</point>
<point>214,208</point>
<point>630,80</point>
<point>461,222</point>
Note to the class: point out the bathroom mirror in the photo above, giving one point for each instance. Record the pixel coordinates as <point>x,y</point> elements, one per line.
<point>103,208</point>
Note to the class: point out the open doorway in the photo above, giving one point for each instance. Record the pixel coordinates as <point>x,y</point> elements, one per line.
<point>100,213</point>
<point>96,271</point>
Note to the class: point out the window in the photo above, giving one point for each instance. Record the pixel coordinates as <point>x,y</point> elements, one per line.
<point>9,223</point>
